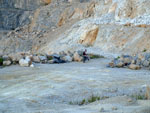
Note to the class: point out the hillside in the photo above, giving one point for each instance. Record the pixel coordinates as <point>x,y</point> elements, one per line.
<point>106,26</point>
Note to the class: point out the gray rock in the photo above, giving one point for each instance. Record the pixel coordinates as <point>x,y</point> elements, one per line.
<point>126,59</point>
<point>15,13</point>
<point>68,58</point>
<point>138,62</point>
<point>147,56</point>
<point>146,63</point>
<point>16,57</point>
<point>5,58</point>
<point>43,58</point>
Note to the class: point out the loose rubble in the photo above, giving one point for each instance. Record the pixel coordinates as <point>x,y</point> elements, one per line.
<point>135,62</point>
<point>29,60</point>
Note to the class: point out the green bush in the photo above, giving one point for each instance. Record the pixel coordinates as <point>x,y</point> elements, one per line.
<point>1,61</point>
<point>50,57</point>
<point>92,56</point>
<point>144,50</point>
<point>139,97</point>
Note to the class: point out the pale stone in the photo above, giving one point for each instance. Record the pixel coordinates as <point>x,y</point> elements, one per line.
<point>7,63</point>
<point>134,67</point>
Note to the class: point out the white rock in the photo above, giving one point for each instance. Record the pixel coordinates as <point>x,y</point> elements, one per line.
<point>7,63</point>
<point>24,62</point>
<point>32,65</point>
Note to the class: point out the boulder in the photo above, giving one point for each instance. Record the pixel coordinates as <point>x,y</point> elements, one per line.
<point>147,93</point>
<point>126,59</point>
<point>134,67</point>
<point>36,59</point>
<point>138,62</point>
<point>43,59</point>
<point>7,63</point>
<point>32,65</point>
<point>116,63</point>
<point>77,57</point>
<point>5,58</point>
<point>68,58</point>
<point>120,64</point>
<point>51,61</point>
<point>147,56</point>
<point>16,57</point>
<point>111,64</point>
<point>146,63</point>
<point>25,62</point>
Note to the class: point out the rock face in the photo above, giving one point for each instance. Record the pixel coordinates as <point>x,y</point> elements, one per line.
<point>108,26</point>
<point>14,13</point>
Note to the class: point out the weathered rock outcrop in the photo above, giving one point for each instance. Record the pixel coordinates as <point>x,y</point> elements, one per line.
<point>112,26</point>
<point>14,13</point>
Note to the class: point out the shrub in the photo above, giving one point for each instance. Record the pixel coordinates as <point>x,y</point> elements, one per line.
<point>1,61</point>
<point>86,101</point>
<point>92,56</point>
<point>144,50</point>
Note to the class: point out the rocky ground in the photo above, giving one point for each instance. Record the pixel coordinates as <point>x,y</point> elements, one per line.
<point>40,29</point>
<point>73,88</point>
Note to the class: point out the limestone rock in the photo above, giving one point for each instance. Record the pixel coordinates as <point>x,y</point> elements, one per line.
<point>16,57</point>
<point>147,93</point>
<point>7,63</point>
<point>25,62</point>
<point>126,59</point>
<point>146,63</point>
<point>42,58</point>
<point>68,58</point>
<point>36,59</point>
<point>89,36</point>
<point>134,67</point>
<point>77,57</point>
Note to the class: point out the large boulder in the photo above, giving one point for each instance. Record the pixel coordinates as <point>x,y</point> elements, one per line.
<point>126,59</point>
<point>25,62</point>
<point>7,63</point>
<point>68,58</point>
<point>6,57</point>
<point>116,63</point>
<point>89,36</point>
<point>134,67</point>
<point>43,59</point>
<point>15,57</point>
<point>36,59</point>
<point>77,57</point>
<point>146,63</point>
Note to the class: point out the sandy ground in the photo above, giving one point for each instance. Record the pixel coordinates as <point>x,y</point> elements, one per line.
<point>59,88</point>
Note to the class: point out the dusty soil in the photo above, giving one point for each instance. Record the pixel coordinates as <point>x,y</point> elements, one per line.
<point>60,88</point>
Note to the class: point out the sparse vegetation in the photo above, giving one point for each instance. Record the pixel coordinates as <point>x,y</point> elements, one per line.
<point>50,57</point>
<point>144,50</point>
<point>92,56</point>
<point>118,57</point>
<point>86,101</point>
<point>1,61</point>
<point>139,97</point>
